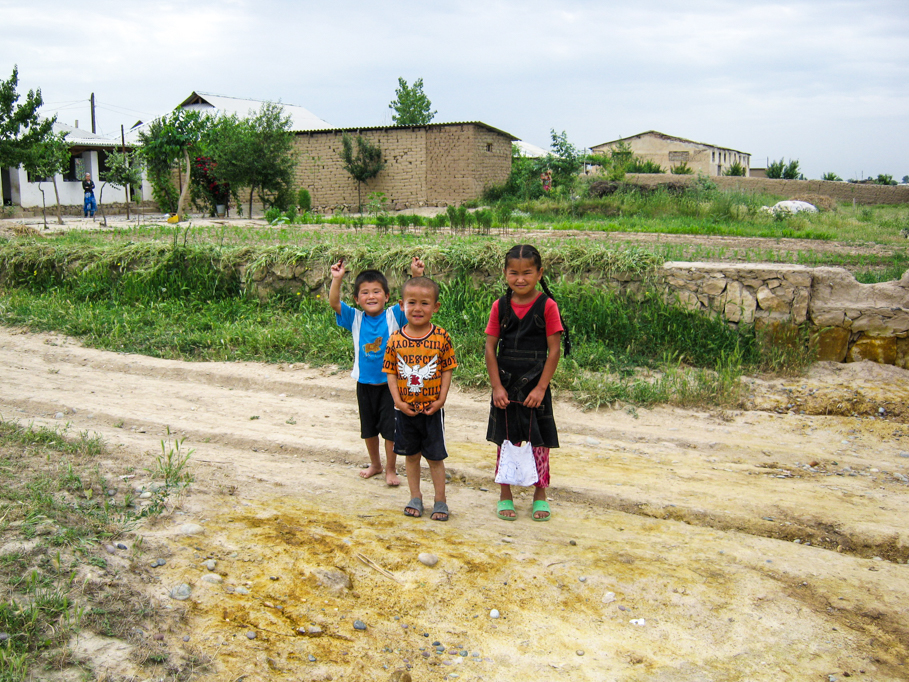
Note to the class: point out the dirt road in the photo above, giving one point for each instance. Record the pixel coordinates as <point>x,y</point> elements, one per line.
<point>684,545</point>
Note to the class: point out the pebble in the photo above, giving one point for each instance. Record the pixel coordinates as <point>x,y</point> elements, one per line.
<point>185,638</point>
<point>145,496</point>
<point>241,590</point>
<point>592,441</point>
<point>904,454</point>
<point>484,490</point>
<point>250,635</point>
<point>210,564</point>
<point>428,559</point>
<point>110,549</point>
<point>638,621</point>
<point>609,597</point>
<point>181,592</point>
<point>3,636</point>
<point>582,578</point>
<point>120,545</point>
<point>212,578</point>
<point>494,613</point>
<point>573,543</point>
<point>312,659</point>
<point>579,652</point>
<point>359,625</point>
<point>158,637</point>
<point>191,529</point>
<point>157,562</point>
<point>59,415</point>
<point>622,608</point>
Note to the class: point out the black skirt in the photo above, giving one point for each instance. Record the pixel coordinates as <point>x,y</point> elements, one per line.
<point>520,372</point>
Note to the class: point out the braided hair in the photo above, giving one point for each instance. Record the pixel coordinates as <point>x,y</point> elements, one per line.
<point>528,252</point>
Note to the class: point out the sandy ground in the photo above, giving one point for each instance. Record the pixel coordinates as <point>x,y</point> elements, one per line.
<point>767,544</point>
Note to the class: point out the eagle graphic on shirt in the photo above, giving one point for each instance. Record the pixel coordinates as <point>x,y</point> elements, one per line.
<point>416,375</point>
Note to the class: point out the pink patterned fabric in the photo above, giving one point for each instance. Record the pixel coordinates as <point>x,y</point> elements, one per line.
<point>540,457</point>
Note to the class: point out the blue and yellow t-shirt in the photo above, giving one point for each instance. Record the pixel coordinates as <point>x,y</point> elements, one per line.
<point>370,334</point>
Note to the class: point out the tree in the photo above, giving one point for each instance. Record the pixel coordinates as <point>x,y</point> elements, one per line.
<point>255,152</point>
<point>46,158</point>
<point>411,106</point>
<point>366,163</point>
<point>781,170</point>
<point>20,127</point>
<point>831,177</point>
<point>167,142</point>
<point>735,170</point>
<point>123,169</point>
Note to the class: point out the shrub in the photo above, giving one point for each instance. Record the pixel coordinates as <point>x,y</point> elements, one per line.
<point>682,169</point>
<point>780,170</point>
<point>884,179</point>
<point>831,177</point>
<point>820,201</point>
<point>735,170</point>
<point>637,165</point>
<point>304,200</point>
<point>272,214</point>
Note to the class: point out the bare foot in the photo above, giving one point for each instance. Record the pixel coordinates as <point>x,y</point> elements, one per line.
<point>370,471</point>
<point>391,478</point>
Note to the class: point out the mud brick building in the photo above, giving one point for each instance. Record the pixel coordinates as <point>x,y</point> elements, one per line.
<point>669,151</point>
<point>437,164</point>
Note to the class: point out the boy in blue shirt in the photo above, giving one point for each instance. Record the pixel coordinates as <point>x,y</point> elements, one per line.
<point>371,326</point>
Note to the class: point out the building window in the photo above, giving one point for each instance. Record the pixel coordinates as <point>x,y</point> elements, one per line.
<point>489,146</point>
<point>713,156</point>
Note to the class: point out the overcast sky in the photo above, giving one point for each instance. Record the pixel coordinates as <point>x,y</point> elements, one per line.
<point>824,82</point>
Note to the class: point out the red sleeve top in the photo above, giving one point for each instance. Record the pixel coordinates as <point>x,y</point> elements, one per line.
<point>550,314</point>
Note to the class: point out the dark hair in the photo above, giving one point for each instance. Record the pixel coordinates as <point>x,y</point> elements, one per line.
<point>528,252</point>
<point>368,277</point>
<point>421,283</point>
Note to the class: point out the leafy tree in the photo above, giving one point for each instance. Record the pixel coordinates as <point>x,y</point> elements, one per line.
<point>831,177</point>
<point>123,169</point>
<point>167,142</point>
<point>20,127</point>
<point>786,171</point>
<point>411,106</point>
<point>255,152</point>
<point>564,160</point>
<point>884,179</point>
<point>735,170</point>
<point>363,165</point>
<point>46,158</point>
<point>906,179</point>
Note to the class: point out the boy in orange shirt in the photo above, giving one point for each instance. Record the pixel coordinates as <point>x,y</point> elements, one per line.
<point>419,360</point>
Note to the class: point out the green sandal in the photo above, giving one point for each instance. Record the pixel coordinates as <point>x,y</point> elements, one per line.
<point>505,505</point>
<point>541,506</point>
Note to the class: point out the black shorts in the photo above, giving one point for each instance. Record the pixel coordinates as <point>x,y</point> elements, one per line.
<point>421,434</point>
<point>377,411</point>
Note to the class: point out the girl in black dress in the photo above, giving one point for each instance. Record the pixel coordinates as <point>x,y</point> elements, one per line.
<point>523,339</point>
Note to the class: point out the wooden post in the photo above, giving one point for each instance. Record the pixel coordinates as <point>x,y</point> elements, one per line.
<point>92,100</point>
<point>123,143</point>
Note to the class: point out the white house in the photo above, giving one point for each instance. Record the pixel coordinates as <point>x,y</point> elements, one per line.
<point>88,155</point>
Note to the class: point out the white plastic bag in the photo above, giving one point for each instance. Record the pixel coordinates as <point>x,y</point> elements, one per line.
<point>516,465</point>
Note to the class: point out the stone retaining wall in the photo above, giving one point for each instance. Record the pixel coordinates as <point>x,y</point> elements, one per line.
<point>848,321</point>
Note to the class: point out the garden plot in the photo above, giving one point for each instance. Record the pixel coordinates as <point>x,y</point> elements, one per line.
<point>684,545</point>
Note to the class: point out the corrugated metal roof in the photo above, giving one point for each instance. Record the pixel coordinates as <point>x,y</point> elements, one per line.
<point>425,125</point>
<point>301,119</point>
<point>76,137</point>
<point>671,137</point>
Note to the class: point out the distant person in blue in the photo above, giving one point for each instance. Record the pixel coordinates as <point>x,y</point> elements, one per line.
<point>89,207</point>
<point>371,326</point>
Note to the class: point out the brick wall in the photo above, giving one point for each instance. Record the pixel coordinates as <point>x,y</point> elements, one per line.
<point>426,165</point>
<point>840,191</point>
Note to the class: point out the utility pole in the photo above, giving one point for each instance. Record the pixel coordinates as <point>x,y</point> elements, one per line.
<point>123,143</point>
<point>92,100</point>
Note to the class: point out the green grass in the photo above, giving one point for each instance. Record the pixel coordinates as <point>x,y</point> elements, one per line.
<point>55,494</point>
